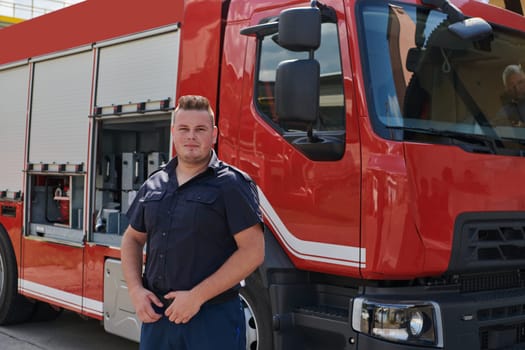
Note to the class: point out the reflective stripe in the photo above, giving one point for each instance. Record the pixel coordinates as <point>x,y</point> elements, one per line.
<point>309,250</point>
<point>71,300</point>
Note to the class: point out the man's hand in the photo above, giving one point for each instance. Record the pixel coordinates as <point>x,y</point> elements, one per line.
<point>132,255</point>
<point>184,306</point>
<point>142,300</point>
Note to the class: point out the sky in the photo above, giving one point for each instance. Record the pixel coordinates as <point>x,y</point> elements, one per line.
<point>25,9</point>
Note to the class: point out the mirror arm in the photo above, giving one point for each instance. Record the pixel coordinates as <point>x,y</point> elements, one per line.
<point>454,14</point>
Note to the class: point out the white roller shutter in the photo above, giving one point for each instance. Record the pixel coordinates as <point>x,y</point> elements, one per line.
<point>14,84</point>
<point>139,70</point>
<point>60,109</point>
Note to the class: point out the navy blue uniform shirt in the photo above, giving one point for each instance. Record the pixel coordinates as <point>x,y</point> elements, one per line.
<point>190,228</point>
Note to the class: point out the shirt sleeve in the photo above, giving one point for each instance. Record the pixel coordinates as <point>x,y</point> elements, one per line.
<point>242,206</point>
<point>135,212</point>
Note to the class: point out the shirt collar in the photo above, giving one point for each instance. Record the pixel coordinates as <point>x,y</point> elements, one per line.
<point>213,164</point>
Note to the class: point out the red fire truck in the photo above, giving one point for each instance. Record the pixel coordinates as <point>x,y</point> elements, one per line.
<point>391,179</point>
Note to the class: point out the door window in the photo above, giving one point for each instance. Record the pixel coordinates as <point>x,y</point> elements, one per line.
<point>330,124</point>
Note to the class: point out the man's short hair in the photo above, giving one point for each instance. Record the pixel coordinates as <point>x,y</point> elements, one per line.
<point>511,69</point>
<point>196,103</point>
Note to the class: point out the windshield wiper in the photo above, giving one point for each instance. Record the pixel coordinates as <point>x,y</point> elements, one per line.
<point>470,142</point>
<point>514,139</point>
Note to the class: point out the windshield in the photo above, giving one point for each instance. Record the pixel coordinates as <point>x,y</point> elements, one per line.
<point>425,83</point>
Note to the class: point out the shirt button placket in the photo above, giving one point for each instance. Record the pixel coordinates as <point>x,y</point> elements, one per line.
<point>165,236</point>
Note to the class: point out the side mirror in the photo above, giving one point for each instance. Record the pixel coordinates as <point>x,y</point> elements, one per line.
<point>300,29</point>
<point>297,90</point>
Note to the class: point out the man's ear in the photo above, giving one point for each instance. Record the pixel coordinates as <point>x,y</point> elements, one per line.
<point>215,133</point>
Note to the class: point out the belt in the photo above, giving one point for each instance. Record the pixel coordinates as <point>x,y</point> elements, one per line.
<point>225,296</point>
<point>228,295</point>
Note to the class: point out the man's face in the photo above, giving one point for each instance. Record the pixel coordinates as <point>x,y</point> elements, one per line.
<point>516,86</point>
<point>193,136</point>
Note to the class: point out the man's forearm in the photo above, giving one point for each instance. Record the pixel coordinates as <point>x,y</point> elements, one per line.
<point>132,257</point>
<point>235,269</point>
<point>240,264</point>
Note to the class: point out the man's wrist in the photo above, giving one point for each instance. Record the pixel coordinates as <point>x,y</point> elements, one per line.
<point>198,292</point>
<point>134,288</point>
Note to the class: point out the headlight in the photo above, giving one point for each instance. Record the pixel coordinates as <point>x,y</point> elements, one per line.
<point>417,323</point>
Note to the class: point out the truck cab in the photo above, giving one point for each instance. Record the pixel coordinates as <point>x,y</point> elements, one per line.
<point>394,200</point>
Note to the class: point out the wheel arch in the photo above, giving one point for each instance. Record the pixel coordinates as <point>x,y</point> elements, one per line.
<point>4,235</point>
<point>275,259</point>
<point>14,308</point>
<point>11,227</point>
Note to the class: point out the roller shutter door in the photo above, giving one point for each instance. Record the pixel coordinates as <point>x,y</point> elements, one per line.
<point>138,71</point>
<point>60,109</point>
<point>14,85</point>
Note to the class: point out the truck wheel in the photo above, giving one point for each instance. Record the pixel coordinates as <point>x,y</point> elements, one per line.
<point>257,311</point>
<point>14,308</point>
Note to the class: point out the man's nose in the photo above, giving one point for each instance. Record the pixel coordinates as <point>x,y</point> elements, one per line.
<point>191,134</point>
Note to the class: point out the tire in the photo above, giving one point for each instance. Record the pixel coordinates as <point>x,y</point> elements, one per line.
<point>258,314</point>
<point>14,308</point>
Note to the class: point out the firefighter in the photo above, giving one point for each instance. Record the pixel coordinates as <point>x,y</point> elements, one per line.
<point>201,221</point>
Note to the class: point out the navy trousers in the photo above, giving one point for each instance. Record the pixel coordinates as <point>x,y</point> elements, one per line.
<point>215,327</point>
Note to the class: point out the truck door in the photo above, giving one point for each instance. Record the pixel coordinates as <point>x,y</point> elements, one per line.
<point>52,258</point>
<point>309,179</point>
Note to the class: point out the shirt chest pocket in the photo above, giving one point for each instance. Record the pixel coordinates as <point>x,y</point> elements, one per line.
<point>204,197</point>
<point>153,204</point>
<point>206,207</point>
